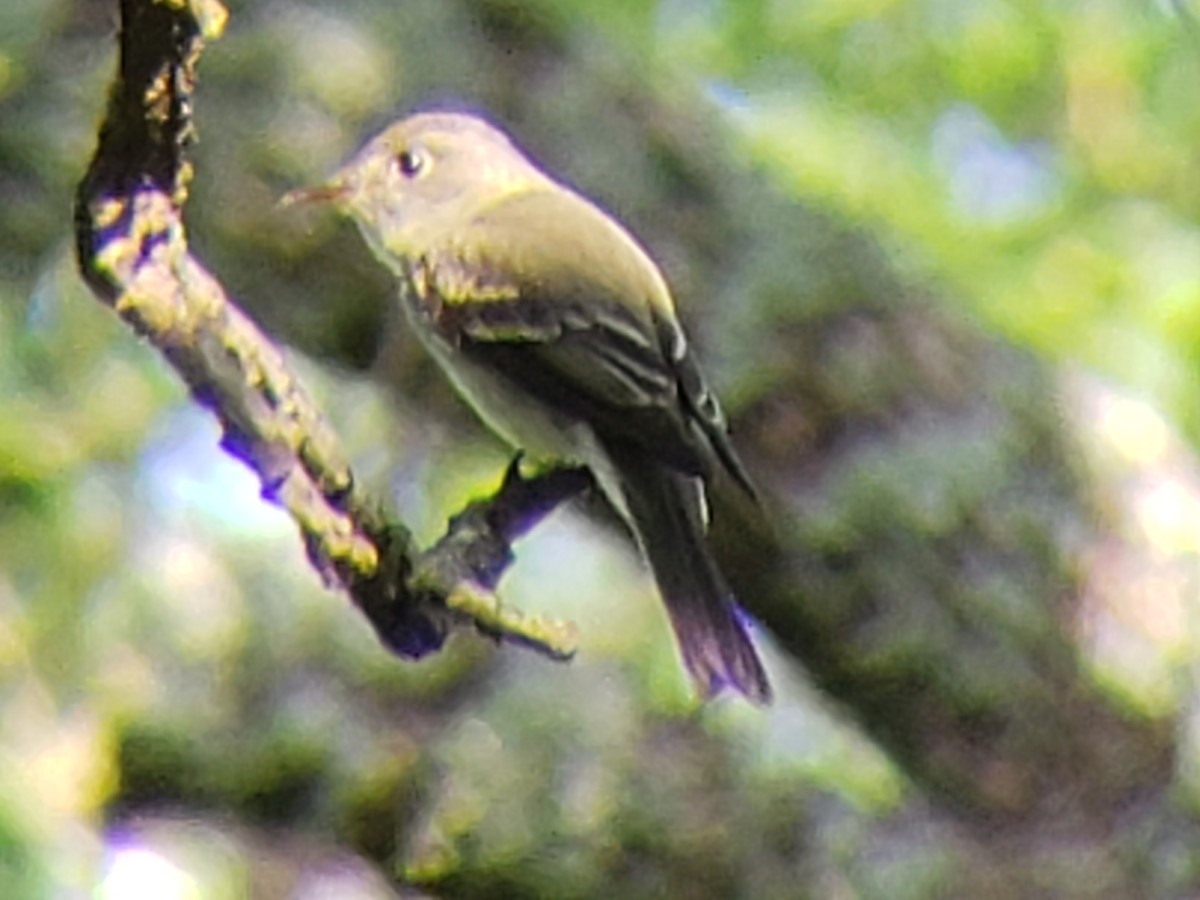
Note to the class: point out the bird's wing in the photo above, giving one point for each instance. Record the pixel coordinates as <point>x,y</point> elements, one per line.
<point>554,297</point>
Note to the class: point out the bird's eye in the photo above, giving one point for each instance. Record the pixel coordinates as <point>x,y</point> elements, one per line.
<point>410,162</point>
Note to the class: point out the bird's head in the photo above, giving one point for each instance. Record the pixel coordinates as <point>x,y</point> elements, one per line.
<point>423,175</point>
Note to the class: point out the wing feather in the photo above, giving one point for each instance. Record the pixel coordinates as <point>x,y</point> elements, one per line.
<point>551,295</point>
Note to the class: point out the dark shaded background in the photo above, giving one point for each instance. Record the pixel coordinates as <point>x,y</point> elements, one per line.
<point>943,268</point>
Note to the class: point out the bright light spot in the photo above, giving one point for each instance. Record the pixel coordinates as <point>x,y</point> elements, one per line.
<point>140,874</point>
<point>1170,515</point>
<point>728,96</point>
<point>1133,428</point>
<point>991,179</point>
<point>187,474</point>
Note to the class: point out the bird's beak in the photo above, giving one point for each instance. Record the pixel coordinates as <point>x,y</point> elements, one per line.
<point>332,191</point>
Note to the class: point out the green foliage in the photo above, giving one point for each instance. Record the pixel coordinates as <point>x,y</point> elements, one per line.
<point>1035,160</point>
<point>172,672</point>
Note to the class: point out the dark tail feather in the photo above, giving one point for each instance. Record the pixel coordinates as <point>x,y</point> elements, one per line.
<point>668,512</point>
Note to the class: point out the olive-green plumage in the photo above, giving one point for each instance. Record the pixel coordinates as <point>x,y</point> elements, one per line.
<point>557,328</point>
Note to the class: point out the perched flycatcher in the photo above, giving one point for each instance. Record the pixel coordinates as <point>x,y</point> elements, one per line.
<point>555,325</point>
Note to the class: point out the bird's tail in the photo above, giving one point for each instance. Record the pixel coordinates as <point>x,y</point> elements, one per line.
<point>667,509</point>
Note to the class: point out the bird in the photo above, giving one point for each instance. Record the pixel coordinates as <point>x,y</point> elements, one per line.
<point>556,326</point>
